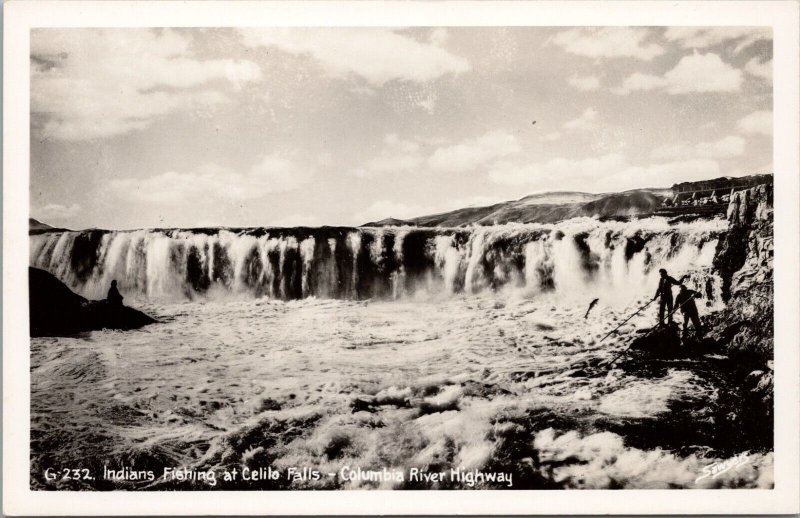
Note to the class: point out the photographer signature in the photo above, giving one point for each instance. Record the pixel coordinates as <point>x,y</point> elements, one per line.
<point>718,468</point>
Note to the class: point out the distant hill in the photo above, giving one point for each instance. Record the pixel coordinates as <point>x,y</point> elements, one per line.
<point>37,227</point>
<point>558,197</point>
<point>629,203</point>
<point>546,207</point>
<point>551,207</point>
<point>388,222</point>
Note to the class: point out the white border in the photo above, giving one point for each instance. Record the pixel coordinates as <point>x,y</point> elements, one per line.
<point>21,16</point>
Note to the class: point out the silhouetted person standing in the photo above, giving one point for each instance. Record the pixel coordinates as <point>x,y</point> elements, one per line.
<point>114,296</point>
<point>685,301</point>
<point>665,293</point>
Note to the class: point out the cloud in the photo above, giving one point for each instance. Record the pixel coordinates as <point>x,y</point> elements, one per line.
<point>703,73</point>
<point>756,68</point>
<point>552,136</point>
<point>639,82</point>
<point>584,83</point>
<point>704,37</point>
<point>557,170</point>
<point>56,212</point>
<point>694,73</point>
<point>398,156</point>
<point>604,173</point>
<point>584,122</point>
<point>759,121</point>
<point>401,156</point>
<point>375,54</point>
<point>474,153</point>
<point>664,174</point>
<point>726,147</point>
<point>96,83</point>
<point>608,42</point>
<point>272,174</point>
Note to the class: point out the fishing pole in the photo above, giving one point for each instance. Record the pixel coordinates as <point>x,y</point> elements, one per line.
<point>669,316</point>
<point>627,319</point>
<point>640,310</point>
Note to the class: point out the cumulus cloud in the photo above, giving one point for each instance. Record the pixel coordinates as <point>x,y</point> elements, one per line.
<point>694,73</point>
<point>584,122</point>
<point>56,212</point>
<point>607,173</point>
<point>95,83</point>
<point>397,156</point>
<point>726,147</point>
<point>375,54</point>
<point>704,37</point>
<point>608,42</point>
<point>760,122</point>
<point>584,83</point>
<point>552,136</point>
<point>703,73</point>
<point>473,153</point>
<point>760,69</point>
<point>272,174</point>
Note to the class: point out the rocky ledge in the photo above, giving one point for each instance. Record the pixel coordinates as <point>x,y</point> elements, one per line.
<point>744,259</point>
<point>56,311</point>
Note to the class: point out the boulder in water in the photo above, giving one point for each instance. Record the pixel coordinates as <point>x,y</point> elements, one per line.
<point>56,311</point>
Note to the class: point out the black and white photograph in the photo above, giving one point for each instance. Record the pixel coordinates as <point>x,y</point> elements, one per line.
<point>429,257</point>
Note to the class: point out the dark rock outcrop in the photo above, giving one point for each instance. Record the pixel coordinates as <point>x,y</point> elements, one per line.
<point>56,311</point>
<point>723,184</point>
<point>744,261</point>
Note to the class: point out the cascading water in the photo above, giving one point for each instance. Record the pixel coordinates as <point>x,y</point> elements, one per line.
<point>619,259</point>
<point>485,354</point>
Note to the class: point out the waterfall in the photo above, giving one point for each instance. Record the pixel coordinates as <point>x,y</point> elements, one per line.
<point>579,256</point>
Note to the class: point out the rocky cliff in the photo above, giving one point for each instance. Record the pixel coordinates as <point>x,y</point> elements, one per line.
<point>744,259</point>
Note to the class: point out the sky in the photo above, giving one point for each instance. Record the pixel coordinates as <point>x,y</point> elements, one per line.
<point>140,128</point>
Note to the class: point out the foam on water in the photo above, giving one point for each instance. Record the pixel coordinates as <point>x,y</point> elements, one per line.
<point>602,461</point>
<point>485,382</point>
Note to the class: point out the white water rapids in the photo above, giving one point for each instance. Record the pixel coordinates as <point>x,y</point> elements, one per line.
<point>401,348</point>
